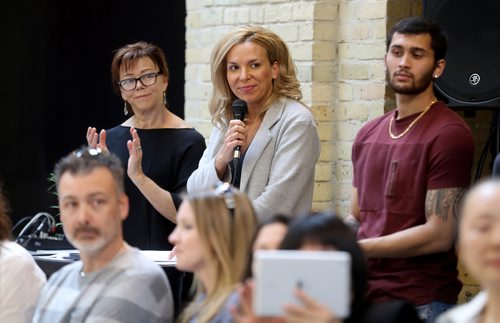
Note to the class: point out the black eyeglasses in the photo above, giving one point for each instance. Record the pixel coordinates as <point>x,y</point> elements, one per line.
<point>226,191</point>
<point>131,83</point>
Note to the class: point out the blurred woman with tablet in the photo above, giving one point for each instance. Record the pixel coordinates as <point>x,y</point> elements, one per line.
<point>326,231</point>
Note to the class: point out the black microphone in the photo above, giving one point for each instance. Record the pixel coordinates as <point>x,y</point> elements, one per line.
<point>239,108</point>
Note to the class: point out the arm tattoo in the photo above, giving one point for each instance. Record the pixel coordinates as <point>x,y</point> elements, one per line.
<point>444,202</point>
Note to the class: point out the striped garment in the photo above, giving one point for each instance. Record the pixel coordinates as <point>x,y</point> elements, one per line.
<point>130,289</point>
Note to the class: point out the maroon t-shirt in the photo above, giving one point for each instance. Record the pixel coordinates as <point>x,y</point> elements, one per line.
<point>392,177</point>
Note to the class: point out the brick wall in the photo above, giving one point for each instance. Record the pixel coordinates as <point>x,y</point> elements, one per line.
<point>310,29</point>
<point>361,84</point>
<point>338,47</point>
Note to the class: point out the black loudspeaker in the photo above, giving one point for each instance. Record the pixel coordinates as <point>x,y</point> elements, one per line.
<point>472,74</point>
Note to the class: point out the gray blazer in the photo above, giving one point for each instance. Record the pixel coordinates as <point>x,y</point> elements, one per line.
<point>278,168</point>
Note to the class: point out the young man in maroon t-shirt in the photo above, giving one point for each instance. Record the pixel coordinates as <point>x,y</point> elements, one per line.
<point>411,167</point>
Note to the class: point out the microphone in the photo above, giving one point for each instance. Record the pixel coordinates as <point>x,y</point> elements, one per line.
<point>239,108</point>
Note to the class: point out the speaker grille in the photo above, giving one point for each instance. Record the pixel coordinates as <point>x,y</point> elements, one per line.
<point>472,73</point>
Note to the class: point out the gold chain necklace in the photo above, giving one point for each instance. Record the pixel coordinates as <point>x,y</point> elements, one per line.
<point>393,136</point>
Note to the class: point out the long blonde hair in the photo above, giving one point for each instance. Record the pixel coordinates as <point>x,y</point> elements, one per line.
<point>285,85</point>
<point>225,224</point>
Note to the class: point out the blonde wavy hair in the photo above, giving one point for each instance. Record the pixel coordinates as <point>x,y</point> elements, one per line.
<point>285,85</point>
<point>226,235</point>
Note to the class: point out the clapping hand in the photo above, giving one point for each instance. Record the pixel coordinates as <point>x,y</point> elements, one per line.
<point>96,140</point>
<point>134,167</point>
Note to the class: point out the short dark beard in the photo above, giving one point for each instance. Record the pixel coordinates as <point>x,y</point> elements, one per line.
<point>417,87</point>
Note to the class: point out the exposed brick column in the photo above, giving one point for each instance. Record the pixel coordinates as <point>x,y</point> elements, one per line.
<point>310,29</point>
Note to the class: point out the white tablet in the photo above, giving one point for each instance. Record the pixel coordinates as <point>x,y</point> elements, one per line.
<point>323,275</point>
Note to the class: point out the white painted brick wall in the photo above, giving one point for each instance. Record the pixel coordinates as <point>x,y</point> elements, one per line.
<point>338,47</point>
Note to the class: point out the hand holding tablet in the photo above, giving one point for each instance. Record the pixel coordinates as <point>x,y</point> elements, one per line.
<point>322,275</point>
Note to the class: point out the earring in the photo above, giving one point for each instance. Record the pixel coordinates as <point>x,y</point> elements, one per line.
<point>125,108</point>
<point>165,98</point>
<point>435,76</point>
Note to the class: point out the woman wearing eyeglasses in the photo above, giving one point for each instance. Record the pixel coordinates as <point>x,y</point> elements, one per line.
<point>158,149</point>
<point>213,238</point>
<point>278,138</point>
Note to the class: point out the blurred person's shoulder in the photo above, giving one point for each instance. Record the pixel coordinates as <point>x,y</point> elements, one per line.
<point>466,313</point>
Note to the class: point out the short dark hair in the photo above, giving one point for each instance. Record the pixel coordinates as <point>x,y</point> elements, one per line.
<point>85,160</point>
<point>418,26</point>
<point>277,218</point>
<point>329,230</point>
<point>130,54</point>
